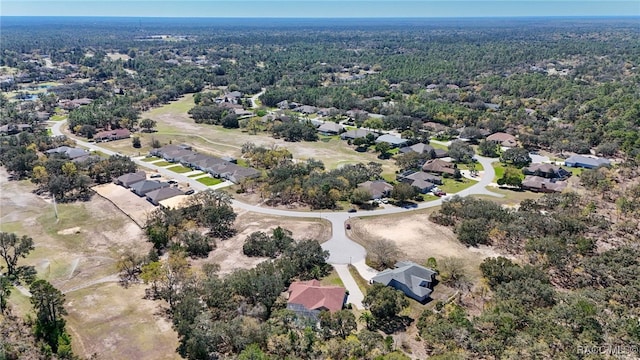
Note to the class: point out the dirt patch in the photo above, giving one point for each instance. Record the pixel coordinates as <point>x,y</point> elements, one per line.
<point>77,253</point>
<point>419,239</point>
<point>134,206</point>
<point>69,231</point>
<point>228,253</point>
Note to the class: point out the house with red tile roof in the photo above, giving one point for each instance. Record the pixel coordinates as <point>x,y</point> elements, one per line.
<point>309,298</point>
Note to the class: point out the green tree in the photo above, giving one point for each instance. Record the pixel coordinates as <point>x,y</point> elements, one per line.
<point>49,305</point>
<point>135,141</point>
<point>12,248</point>
<point>341,323</point>
<point>461,152</point>
<point>517,156</point>
<point>147,124</point>
<point>383,148</point>
<point>511,177</point>
<point>488,149</point>
<point>403,191</point>
<point>5,292</point>
<point>360,196</point>
<point>384,303</point>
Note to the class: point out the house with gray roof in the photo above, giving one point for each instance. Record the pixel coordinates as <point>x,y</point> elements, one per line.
<point>143,187</point>
<point>413,280</point>
<point>422,148</point>
<point>71,152</point>
<point>378,188</point>
<point>586,162</point>
<point>392,140</point>
<point>356,134</point>
<point>155,196</point>
<point>330,128</point>
<point>129,179</point>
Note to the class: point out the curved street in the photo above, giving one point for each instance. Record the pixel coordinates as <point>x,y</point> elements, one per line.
<point>342,249</point>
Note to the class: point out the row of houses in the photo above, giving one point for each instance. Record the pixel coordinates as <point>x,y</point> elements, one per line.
<point>217,167</point>
<point>74,154</point>
<point>155,191</point>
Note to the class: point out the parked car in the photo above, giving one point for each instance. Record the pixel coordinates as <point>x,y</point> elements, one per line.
<point>348,226</point>
<point>155,176</point>
<point>352,210</point>
<point>439,193</point>
<point>172,182</point>
<point>190,192</point>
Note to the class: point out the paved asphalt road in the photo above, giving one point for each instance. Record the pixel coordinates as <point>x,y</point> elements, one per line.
<point>342,250</point>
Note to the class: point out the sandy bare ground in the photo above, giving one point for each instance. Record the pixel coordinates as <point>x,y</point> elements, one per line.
<point>419,239</point>
<point>77,254</point>
<point>131,204</point>
<point>228,253</point>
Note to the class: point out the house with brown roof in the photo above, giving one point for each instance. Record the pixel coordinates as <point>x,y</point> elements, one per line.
<point>540,184</point>
<point>309,298</point>
<point>110,135</point>
<point>503,139</point>
<point>378,188</point>
<point>548,171</point>
<point>439,167</point>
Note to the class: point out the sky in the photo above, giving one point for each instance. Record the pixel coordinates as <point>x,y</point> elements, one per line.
<point>320,8</point>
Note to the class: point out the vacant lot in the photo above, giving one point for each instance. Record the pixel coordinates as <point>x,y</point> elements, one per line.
<point>228,253</point>
<point>418,239</point>
<point>131,204</point>
<point>77,254</point>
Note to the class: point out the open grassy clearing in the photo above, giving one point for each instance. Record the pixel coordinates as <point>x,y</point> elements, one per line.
<point>150,159</point>
<point>179,169</point>
<point>478,166</point>
<point>332,279</point>
<point>163,163</point>
<point>362,283</point>
<point>77,254</point>
<point>499,168</point>
<point>57,117</point>
<point>512,197</point>
<point>209,181</point>
<point>175,124</point>
<point>451,186</point>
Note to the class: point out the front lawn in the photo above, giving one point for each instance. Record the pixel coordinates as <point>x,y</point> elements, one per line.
<point>199,173</point>
<point>499,169</point>
<point>451,186</point>
<point>57,117</point>
<point>462,166</point>
<point>150,159</point>
<point>180,169</point>
<point>163,163</point>
<point>209,181</point>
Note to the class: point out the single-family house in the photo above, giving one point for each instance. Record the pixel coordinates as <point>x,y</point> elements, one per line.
<point>356,134</point>
<point>503,139</point>
<point>587,162</point>
<point>155,196</point>
<point>309,298</point>
<point>70,152</point>
<point>378,188</point>
<point>330,128</point>
<point>421,180</point>
<point>439,166</point>
<point>392,140</point>
<point>143,187</point>
<point>12,129</point>
<point>127,180</point>
<point>237,174</point>
<point>413,280</point>
<point>548,171</point>
<point>540,184</point>
<point>110,135</point>
<point>422,148</point>
<point>306,109</point>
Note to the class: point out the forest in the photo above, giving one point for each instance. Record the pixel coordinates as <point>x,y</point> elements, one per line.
<point>567,279</point>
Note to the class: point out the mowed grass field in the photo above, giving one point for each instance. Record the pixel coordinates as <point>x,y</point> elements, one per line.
<point>175,125</point>
<point>77,252</point>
